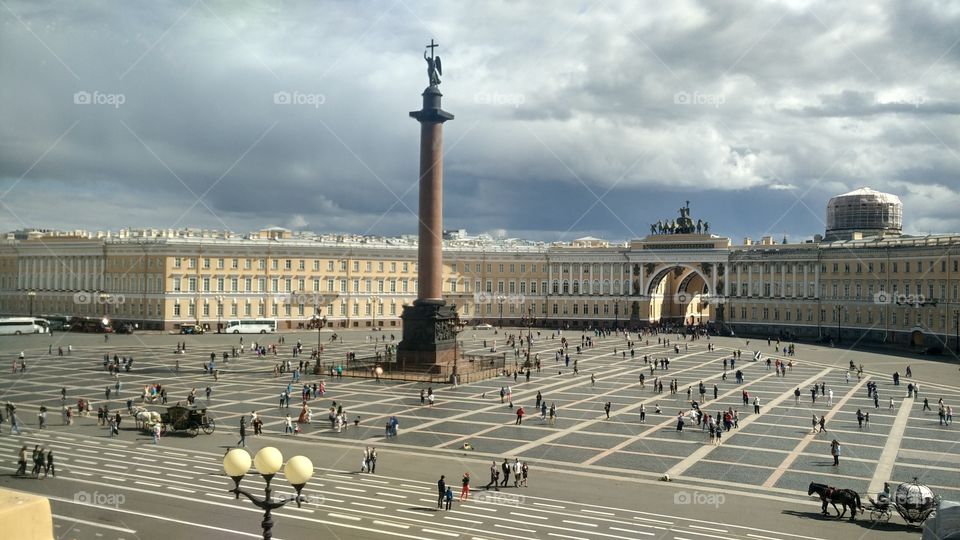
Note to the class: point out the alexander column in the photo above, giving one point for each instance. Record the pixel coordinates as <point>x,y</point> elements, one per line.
<point>429,325</point>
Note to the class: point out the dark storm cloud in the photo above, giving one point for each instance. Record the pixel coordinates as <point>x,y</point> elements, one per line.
<point>247,115</point>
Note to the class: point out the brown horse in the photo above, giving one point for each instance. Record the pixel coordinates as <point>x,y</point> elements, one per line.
<point>847,498</point>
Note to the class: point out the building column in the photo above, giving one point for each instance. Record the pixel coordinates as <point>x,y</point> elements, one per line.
<point>590,289</point>
<point>643,286</point>
<point>549,280</point>
<point>806,282</point>
<point>750,280</point>
<point>713,279</point>
<point>629,278</point>
<point>580,279</point>
<point>783,280</point>
<point>620,292</point>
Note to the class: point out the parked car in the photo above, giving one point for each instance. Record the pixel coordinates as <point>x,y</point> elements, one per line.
<point>191,329</point>
<point>483,326</point>
<point>125,328</point>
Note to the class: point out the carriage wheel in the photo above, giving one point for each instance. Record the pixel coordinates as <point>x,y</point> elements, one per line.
<point>879,515</point>
<point>193,430</point>
<point>209,426</point>
<point>163,429</point>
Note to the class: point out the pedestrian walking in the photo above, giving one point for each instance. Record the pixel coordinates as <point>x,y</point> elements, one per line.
<point>441,491</point>
<point>243,432</point>
<point>606,409</point>
<point>494,476</point>
<point>49,468</point>
<point>465,486</point>
<point>156,433</point>
<point>756,405</point>
<point>823,424</point>
<point>835,452</point>
<point>643,413</point>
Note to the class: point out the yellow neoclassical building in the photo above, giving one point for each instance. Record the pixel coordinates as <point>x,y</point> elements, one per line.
<point>864,282</point>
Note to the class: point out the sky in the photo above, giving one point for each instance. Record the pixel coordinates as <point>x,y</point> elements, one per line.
<point>572,118</point>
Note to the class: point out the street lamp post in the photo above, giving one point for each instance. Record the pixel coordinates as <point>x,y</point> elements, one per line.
<point>219,310</point>
<point>616,313</point>
<point>31,295</point>
<point>500,300</point>
<point>839,309</point>
<point>375,300</point>
<point>956,336</point>
<point>298,470</point>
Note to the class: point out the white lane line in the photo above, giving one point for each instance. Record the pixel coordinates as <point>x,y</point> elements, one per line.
<point>442,533</point>
<point>587,510</point>
<point>85,462</point>
<point>473,521</point>
<point>181,489</point>
<point>484,508</point>
<point>714,529</point>
<point>549,505</point>
<point>113,478</point>
<point>711,535</point>
<point>344,488</point>
<point>653,520</point>
<point>372,481</point>
<point>146,483</point>
<point>368,505</point>
<point>631,531</point>
<point>388,524</point>
<point>382,494</point>
<point>410,486</point>
<point>80,473</point>
<point>180,476</point>
<point>87,451</point>
<point>529,516</point>
<point>584,523</point>
<point>342,516</point>
<point>112,466</point>
<point>531,531</point>
<point>94,524</point>
<point>148,471</point>
<point>762,537</point>
<point>558,535</point>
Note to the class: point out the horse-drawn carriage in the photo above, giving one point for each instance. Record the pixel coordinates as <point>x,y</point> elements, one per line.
<point>914,502</point>
<point>177,418</point>
<point>192,420</point>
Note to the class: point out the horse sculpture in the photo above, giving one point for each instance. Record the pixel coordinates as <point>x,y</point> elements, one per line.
<point>847,498</point>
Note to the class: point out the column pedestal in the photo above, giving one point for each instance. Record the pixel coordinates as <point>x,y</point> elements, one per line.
<point>429,336</point>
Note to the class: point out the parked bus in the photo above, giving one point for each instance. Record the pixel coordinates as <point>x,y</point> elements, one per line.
<point>23,325</point>
<point>91,324</point>
<point>251,326</point>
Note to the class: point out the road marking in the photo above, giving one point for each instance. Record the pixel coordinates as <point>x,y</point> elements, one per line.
<point>702,452</point>
<point>584,523</point>
<point>567,536</point>
<point>146,483</point>
<point>587,510</point>
<point>888,457</point>
<point>388,524</point>
<point>442,533</point>
<point>343,516</point>
<point>368,505</point>
<point>80,473</point>
<point>473,521</point>
<point>771,480</point>
<point>707,528</point>
<point>94,524</point>
<point>382,494</point>
<point>549,505</point>
<point>345,488</point>
<point>529,516</point>
<point>181,489</point>
<point>631,531</point>
<point>514,528</point>
<point>113,478</point>
<point>762,537</point>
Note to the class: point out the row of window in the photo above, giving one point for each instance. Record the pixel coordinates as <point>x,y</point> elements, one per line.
<point>907,317</point>
<point>288,264</point>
